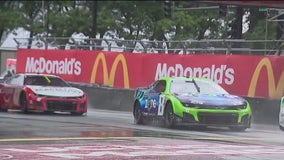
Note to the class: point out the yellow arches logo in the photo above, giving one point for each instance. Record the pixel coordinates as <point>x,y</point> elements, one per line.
<point>273,90</point>
<point>109,78</point>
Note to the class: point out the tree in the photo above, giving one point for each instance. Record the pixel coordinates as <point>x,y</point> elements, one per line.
<point>33,18</point>
<point>10,18</point>
<point>132,20</point>
<point>67,18</point>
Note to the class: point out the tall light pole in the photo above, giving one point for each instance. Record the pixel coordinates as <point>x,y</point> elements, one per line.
<point>43,12</point>
<point>94,16</point>
<point>266,25</point>
<point>168,8</point>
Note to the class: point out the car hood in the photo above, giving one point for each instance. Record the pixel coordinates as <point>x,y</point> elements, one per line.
<point>56,91</point>
<point>211,99</point>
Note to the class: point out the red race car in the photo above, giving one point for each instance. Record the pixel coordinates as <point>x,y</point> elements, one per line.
<point>41,92</point>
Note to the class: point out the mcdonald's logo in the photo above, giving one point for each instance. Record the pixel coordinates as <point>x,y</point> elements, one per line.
<point>274,91</point>
<point>108,79</point>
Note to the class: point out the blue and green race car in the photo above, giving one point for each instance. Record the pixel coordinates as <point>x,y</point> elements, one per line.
<point>191,101</point>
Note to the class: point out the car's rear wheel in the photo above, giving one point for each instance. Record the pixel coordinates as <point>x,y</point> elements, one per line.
<point>23,103</point>
<point>238,129</point>
<point>169,116</point>
<point>281,128</point>
<point>3,109</point>
<point>137,114</point>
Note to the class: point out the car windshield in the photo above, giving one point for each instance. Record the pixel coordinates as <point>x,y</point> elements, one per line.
<point>45,81</point>
<point>193,87</point>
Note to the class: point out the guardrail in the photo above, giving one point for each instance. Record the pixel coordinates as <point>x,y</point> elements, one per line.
<point>204,46</point>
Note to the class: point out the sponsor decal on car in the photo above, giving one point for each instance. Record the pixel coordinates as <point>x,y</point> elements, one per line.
<point>60,91</point>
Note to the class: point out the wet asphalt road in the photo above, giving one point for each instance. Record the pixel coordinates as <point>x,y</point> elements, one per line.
<point>104,134</point>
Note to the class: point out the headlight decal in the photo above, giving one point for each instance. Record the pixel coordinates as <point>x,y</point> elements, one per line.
<point>218,107</point>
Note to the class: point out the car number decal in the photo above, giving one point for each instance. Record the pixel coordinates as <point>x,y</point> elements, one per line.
<point>161,107</point>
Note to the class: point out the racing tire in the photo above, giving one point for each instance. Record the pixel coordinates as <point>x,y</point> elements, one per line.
<point>199,127</point>
<point>23,102</point>
<point>169,116</point>
<point>49,112</point>
<point>77,113</point>
<point>238,129</point>
<point>137,114</point>
<point>3,109</point>
<point>281,128</point>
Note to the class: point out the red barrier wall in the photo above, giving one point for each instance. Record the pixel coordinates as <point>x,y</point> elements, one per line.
<point>246,75</point>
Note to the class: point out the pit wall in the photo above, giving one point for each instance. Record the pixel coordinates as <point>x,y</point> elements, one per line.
<point>264,111</point>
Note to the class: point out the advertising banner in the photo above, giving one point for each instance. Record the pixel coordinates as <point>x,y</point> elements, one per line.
<point>245,75</point>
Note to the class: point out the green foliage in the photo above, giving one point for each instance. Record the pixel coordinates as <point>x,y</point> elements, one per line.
<point>185,26</point>
<point>66,23</point>
<point>10,18</point>
<point>106,20</point>
<point>32,16</point>
<point>135,20</point>
<point>260,30</point>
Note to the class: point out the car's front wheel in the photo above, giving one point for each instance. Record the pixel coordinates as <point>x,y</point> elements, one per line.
<point>23,102</point>
<point>238,129</point>
<point>137,113</point>
<point>48,112</point>
<point>169,116</point>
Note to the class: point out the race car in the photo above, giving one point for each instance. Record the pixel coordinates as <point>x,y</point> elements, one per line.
<point>281,114</point>
<point>192,101</point>
<point>41,92</point>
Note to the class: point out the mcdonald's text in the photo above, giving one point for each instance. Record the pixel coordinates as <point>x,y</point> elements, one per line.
<point>67,66</point>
